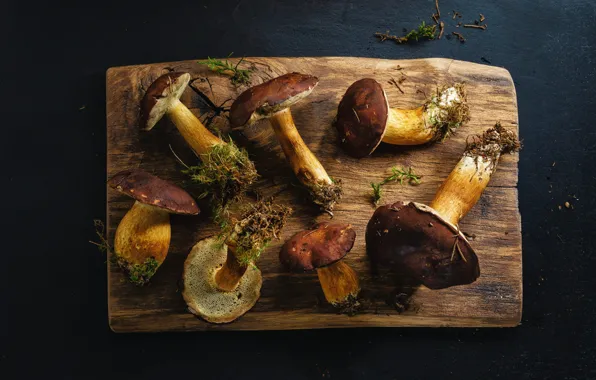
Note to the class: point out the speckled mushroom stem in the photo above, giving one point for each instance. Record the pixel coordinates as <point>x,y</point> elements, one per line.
<point>228,277</point>
<point>144,233</point>
<point>305,165</point>
<point>200,139</point>
<point>340,283</point>
<point>444,112</point>
<point>464,186</point>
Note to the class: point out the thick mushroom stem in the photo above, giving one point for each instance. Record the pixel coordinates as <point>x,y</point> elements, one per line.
<point>228,276</point>
<point>464,186</point>
<point>143,234</point>
<point>407,127</point>
<point>305,165</point>
<point>339,282</point>
<point>200,139</point>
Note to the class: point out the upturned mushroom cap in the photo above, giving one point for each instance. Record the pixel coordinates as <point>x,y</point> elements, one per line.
<point>159,97</point>
<point>154,191</point>
<point>201,294</point>
<point>267,98</point>
<point>362,117</point>
<point>318,247</point>
<point>415,241</point>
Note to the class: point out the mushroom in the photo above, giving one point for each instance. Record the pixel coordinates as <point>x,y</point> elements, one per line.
<point>226,171</point>
<point>221,281</point>
<point>364,118</point>
<point>424,242</point>
<point>143,236</point>
<point>272,100</point>
<point>323,248</point>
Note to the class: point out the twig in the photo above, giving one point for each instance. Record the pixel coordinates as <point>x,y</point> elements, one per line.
<point>441,29</point>
<point>178,158</point>
<point>437,6</point>
<point>483,27</point>
<point>459,36</point>
<point>482,18</point>
<point>356,114</point>
<point>456,14</point>
<point>396,84</point>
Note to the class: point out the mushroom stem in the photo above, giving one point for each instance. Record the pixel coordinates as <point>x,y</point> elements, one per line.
<point>144,233</point>
<point>407,127</point>
<point>305,165</point>
<point>228,276</point>
<point>464,186</point>
<point>200,139</point>
<point>339,282</point>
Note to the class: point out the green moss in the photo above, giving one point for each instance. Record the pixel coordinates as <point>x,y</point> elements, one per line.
<point>223,175</point>
<point>138,274</point>
<point>422,32</point>
<point>258,225</point>
<point>225,67</point>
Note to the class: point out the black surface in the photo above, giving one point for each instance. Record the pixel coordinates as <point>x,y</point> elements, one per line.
<point>53,282</point>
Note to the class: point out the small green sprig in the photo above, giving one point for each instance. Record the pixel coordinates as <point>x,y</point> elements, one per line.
<point>423,32</point>
<point>225,67</point>
<point>400,175</point>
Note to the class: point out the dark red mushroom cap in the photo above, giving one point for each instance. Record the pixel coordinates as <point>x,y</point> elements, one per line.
<point>362,117</point>
<point>415,241</point>
<point>267,98</point>
<point>159,97</point>
<point>318,247</point>
<point>151,190</point>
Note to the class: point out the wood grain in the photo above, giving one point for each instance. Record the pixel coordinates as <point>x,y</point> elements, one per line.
<point>296,301</point>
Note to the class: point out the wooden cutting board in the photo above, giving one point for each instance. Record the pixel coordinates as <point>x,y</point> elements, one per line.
<point>296,301</point>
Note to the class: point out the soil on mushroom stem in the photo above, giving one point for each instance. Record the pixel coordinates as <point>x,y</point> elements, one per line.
<point>451,116</point>
<point>492,143</point>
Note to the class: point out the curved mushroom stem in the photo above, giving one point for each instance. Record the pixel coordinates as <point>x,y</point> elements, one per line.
<point>340,283</point>
<point>200,139</point>
<point>464,186</point>
<point>441,115</point>
<point>142,241</point>
<point>305,165</point>
<point>228,277</point>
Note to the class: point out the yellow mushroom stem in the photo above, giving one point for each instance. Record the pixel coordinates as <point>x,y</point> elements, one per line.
<point>464,186</point>
<point>200,139</point>
<point>228,276</point>
<point>305,165</point>
<point>143,233</point>
<point>339,282</point>
<point>407,127</point>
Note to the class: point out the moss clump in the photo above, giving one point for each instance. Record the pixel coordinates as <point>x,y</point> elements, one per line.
<point>447,110</point>
<point>138,274</point>
<point>492,143</point>
<point>326,195</point>
<point>258,225</point>
<point>224,174</point>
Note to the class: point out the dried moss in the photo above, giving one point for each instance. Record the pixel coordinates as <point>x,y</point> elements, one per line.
<point>492,143</point>
<point>326,195</point>
<point>258,225</point>
<point>138,274</point>
<point>445,118</point>
<point>224,175</point>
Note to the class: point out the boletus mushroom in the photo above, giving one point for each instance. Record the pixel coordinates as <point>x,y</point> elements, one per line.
<point>143,236</point>
<point>225,171</point>
<point>323,248</point>
<point>424,242</point>
<point>364,118</point>
<point>272,100</point>
<point>221,280</point>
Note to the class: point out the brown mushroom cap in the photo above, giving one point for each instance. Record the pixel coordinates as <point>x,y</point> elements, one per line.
<point>267,98</point>
<point>415,241</point>
<point>362,117</point>
<point>151,190</point>
<point>318,247</point>
<point>159,97</point>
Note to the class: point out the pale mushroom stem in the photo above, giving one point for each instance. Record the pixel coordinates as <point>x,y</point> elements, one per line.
<point>305,165</point>
<point>339,281</point>
<point>228,277</point>
<point>200,139</point>
<point>464,186</point>
<point>407,127</point>
<point>143,229</point>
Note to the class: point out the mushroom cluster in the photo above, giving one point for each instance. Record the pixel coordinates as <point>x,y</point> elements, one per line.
<point>225,171</point>
<point>272,100</point>
<point>364,118</point>
<point>425,242</point>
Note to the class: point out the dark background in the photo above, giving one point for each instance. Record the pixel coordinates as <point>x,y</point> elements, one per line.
<point>53,282</point>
